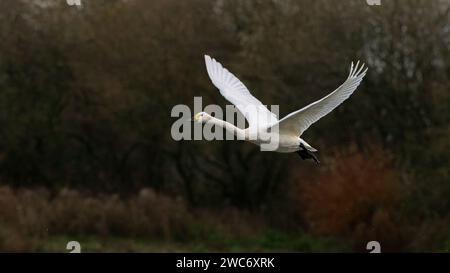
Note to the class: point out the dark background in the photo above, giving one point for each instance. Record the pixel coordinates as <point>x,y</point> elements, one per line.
<point>86,152</point>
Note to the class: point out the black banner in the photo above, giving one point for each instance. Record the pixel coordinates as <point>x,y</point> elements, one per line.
<point>224,262</point>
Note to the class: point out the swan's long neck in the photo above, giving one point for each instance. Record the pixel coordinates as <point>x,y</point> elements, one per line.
<point>240,133</point>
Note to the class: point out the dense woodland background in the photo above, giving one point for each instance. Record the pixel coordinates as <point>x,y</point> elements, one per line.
<point>85,146</point>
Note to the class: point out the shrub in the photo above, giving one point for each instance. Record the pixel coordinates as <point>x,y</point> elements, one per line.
<point>30,216</point>
<point>357,197</point>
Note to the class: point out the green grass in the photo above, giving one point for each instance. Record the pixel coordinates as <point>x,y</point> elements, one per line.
<point>269,242</point>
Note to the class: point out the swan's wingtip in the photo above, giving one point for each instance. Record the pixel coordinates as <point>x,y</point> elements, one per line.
<point>359,69</point>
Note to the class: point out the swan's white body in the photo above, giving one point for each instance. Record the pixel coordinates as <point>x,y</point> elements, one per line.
<point>261,120</point>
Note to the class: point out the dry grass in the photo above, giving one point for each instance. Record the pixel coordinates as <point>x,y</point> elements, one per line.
<point>354,196</point>
<point>28,217</point>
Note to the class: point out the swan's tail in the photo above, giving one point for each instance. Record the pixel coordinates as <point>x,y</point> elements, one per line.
<point>307,146</point>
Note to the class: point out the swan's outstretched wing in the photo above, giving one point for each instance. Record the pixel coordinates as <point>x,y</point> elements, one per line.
<point>235,92</point>
<point>297,122</point>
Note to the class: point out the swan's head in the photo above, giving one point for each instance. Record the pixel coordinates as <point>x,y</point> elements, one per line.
<point>202,117</point>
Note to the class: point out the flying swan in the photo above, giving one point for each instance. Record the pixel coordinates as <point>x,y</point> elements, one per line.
<point>261,120</point>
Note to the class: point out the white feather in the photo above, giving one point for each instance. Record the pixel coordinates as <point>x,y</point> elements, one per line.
<point>299,121</point>
<point>235,92</point>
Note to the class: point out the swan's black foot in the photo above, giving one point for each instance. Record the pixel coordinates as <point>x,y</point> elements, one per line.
<point>305,154</point>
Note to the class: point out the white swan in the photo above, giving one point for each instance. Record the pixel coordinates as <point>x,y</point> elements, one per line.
<point>261,120</point>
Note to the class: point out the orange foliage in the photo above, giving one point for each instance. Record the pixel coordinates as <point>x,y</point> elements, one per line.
<point>356,197</point>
